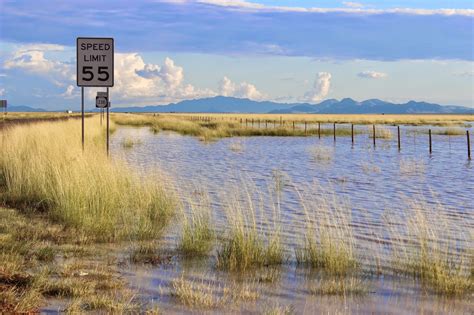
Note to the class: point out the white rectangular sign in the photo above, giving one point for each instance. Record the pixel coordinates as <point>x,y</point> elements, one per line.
<point>95,62</point>
<point>3,103</point>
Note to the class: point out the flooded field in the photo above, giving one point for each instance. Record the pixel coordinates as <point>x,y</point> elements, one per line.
<point>379,201</point>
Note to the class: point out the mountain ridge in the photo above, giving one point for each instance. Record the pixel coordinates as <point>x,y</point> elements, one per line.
<point>224,104</point>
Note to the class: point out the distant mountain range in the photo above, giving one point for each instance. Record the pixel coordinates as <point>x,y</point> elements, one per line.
<point>24,109</point>
<point>222,104</point>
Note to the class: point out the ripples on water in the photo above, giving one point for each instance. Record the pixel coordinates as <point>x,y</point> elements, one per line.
<point>371,181</point>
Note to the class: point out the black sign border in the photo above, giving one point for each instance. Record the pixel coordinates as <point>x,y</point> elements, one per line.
<point>77,61</point>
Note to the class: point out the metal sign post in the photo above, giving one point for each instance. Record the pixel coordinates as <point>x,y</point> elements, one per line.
<point>102,101</point>
<point>108,121</point>
<point>3,104</point>
<point>95,68</point>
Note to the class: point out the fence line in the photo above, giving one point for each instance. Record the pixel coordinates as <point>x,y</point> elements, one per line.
<point>307,127</point>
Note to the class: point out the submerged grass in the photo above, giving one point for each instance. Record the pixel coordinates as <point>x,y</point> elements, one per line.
<point>129,143</point>
<point>245,247</point>
<point>339,286</point>
<point>42,167</point>
<point>328,241</point>
<point>428,249</point>
<point>205,294</point>
<point>197,232</point>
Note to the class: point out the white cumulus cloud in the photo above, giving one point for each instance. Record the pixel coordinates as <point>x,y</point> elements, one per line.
<point>31,58</point>
<point>240,90</point>
<point>70,92</point>
<point>136,82</point>
<point>320,89</point>
<point>371,75</point>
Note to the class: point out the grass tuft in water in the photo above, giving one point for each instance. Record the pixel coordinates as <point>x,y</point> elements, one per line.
<point>244,247</point>
<point>433,256</point>
<point>339,286</point>
<point>328,242</point>
<point>129,143</point>
<point>197,232</point>
<point>205,294</point>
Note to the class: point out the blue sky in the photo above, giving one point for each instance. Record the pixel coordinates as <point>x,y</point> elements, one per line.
<point>286,51</point>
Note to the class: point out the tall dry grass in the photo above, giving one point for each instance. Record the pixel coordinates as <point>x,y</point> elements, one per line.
<point>42,167</point>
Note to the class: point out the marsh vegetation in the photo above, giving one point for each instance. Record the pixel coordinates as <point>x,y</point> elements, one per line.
<point>75,226</point>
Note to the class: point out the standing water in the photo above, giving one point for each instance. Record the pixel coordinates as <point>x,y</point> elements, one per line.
<point>375,183</point>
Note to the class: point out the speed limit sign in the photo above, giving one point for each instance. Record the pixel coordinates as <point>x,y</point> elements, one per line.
<point>95,62</point>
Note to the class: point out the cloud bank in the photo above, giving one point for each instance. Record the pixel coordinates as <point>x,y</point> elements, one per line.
<point>242,28</point>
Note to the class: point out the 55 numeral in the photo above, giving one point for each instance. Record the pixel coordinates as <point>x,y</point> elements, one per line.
<point>102,73</point>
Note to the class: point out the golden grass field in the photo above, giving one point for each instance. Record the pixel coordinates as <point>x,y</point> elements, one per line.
<point>39,115</point>
<point>412,119</point>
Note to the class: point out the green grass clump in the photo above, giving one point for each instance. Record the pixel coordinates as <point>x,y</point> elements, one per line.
<point>328,242</point>
<point>197,237</point>
<point>245,249</point>
<point>42,167</point>
<point>329,255</point>
<point>434,256</point>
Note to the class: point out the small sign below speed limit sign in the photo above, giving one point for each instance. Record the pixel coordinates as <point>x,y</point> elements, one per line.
<point>101,100</point>
<point>95,62</point>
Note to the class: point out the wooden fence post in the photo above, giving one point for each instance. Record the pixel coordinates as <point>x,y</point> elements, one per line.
<point>373,127</point>
<point>468,145</point>
<point>305,128</point>
<point>334,127</point>
<point>399,143</point>
<point>352,133</point>
<point>431,148</point>
<point>319,130</point>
